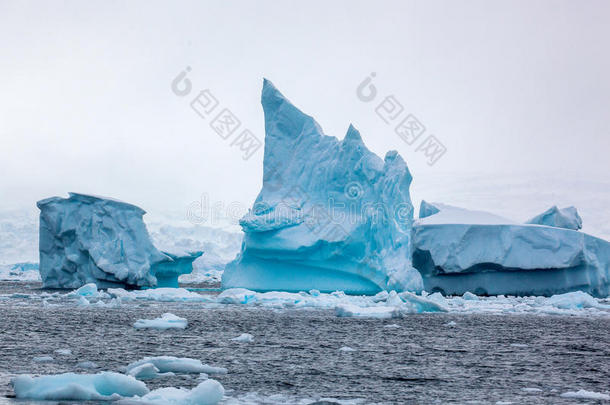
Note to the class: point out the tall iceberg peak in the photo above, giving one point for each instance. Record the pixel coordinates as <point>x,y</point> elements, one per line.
<point>331,215</point>
<point>88,239</point>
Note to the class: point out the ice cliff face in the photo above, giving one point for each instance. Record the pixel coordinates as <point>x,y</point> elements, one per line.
<point>567,218</point>
<point>331,214</point>
<point>86,239</point>
<point>457,250</point>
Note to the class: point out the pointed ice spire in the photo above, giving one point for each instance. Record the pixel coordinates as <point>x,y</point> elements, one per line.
<point>282,118</point>
<point>353,134</point>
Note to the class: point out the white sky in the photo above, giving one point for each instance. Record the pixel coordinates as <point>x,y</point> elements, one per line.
<point>86,105</point>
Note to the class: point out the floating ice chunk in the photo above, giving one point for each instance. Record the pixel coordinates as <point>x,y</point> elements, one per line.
<point>42,359</point>
<point>470,296</point>
<point>295,241</point>
<point>209,392</point>
<point>244,337</point>
<point>348,310</point>
<point>451,324</point>
<point>575,300</point>
<point>236,296</point>
<point>64,352</point>
<point>347,349</point>
<point>392,326</point>
<point>177,365</point>
<point>167,321</point>
<point>88,290</point>
<point>78,387</point>
<point>87,239</point>
<point>87,365</point>
<point>584,394</point>
<point>147,371</point>
<point>82,301</point>
<point>531,389</point>
<point>567,218</point>
<point>519,345</point>
<point>165,294</point>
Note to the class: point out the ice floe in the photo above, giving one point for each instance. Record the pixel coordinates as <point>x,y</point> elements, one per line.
<point>244,338</point>
<point>584,394</point>
<point>209,392</point>
<point>167,321</point>
<point>166,364</point>
<point>80,387</point>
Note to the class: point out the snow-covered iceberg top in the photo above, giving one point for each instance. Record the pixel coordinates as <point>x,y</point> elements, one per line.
<point>89,239</point>
<point>331,215</point>
<point>458,250</point>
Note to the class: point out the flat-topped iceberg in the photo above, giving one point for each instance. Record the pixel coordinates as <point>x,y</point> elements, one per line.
<point>457,250</point>
<point>331,215</point>
<point>87,239</point>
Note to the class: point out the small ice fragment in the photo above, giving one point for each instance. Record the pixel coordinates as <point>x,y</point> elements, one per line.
<point>392,325</point>
<point>531,389</point>
<point>64,352</point>
<point>347,349</point>
<point>245,338</point>
<point>167,321</point>
<point>451,324</point>
<point>203,376</point>
<point>88,290</point>
<point>518,345</point>
<point>86,365</point>
<point>584,394</point>
<point>470,296</point>
<point>42,359</point>
<point>147,371</point>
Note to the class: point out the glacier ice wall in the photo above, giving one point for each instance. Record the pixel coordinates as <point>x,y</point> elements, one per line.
<point>331,214</point>
<point>457,250</point>
<point>87,239</point>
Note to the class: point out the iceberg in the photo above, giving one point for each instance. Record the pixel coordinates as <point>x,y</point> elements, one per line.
<point>105,386</point>
<point>88,239</point>
<point>458,251</point>
<point>567,218</point>
<point>331,214</point>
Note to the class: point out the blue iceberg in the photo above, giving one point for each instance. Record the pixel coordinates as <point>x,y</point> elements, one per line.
<point>331,214</point>
<point>87,239</point>
<point>458,250</point>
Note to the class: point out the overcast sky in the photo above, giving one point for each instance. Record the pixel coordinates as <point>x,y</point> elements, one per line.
<point>86,102</point>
